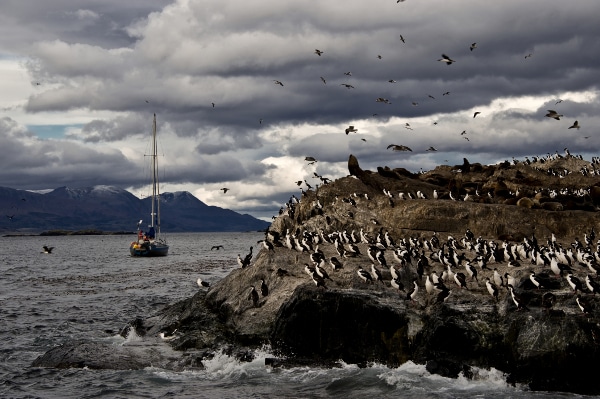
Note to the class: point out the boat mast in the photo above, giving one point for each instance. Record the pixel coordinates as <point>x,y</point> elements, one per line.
<point>155,191</point>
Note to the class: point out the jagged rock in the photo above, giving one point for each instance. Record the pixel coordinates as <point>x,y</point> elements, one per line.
<point>548,345</point>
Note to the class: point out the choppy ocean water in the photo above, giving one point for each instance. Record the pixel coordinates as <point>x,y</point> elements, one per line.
<point>90,287</point>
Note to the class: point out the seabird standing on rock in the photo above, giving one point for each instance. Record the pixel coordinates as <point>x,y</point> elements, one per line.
<point>412,294</point>
<point>253,296</point>
<point>375,273</point>
<point>397,284</point>
<point>518,301</point>
<point>574,282</point>
<point>492,288</point>
<point>583,304</point>
<point>364,275</point>
<point>335,263</point>
<point>202,284</point>
<point>533,278</point>
<point>592,285</point>
<point>264,289</point>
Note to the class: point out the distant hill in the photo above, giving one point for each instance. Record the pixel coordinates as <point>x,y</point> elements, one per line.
<point>110,208</point>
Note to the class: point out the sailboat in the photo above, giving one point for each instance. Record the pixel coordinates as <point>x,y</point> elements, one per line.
<point>150,243</point>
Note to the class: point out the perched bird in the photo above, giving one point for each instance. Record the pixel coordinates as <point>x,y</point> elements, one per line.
<point>584,305</point>
<point>412,294</point>
<point>473,46</point>
<point>364,275</point>
<point>166,336</point>
<point>224,189</point>
<point>575,125</point>
<point>446,59</point>
<point>536,282</point>
<point>351,129</point>
<point>492,288</point>
<point>318,52</point>
<point>202,284</point>
<point>397,284</point>
<point>277,82</point>
<point>253,296</point>
<point>264,289</point>
<point>376,273</point>
<point>592,285</point>
<point>574,282</point>
<point>548,300</point>
<point>335,263</point>
<point>518,301</point>
<point>553,114</point>
<point>396,147</point>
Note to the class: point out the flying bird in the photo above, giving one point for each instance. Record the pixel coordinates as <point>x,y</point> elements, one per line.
<point>476,113</point>
<point>311,160</point>
<point>553,114</point>
<point>217,247</point>
<point>382,100</point>
<point>431,149</point>
<point>463,132</point>
<point>351,129</point>
<point>473,46</point>
<point>224,189</point>
<point>430,96</point>
<point>447,93</point>
<point>323,80</point>
<point>348,73</point>
<point>213,104</point>
<point>277,82</point>
<point>558,101</point>
<point>347,85</point>
<point>402,39</point>
<point>318,52</point>
<point>446,59</point>
<point>575,125</point>
<point>392,81</point>
<point>47,249</point>
<point>396,147</point>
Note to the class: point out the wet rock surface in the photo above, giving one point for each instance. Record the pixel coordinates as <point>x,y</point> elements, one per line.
<point>546,341</point>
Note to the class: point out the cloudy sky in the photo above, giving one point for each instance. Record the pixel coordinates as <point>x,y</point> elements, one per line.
<point>82,78</point>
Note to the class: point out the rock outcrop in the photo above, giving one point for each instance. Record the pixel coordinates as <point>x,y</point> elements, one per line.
<point>547,341</point>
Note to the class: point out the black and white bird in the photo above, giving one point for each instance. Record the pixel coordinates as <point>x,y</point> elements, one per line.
<point>335,263</point>
<point>584,305</point>
<point>492,288</point>
<point>446,59</point>
<point>397,284</point>
<point>47,249</point>
<point>592,285</point>
<point>376,273</point>
<point>202,284</point>
<point>518,301</point>
<point>553,114</point>
<point>460,279</point>
<point>574,282</point>
<point>253,296</point>
<point>412,294</point>
<point>396,147</point>
<point>575,125</point>
<point>535,280</point>
<point>264,289</point>
<point>364,275</point>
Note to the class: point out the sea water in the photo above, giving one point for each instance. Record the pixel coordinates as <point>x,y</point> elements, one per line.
<point>89,287</point>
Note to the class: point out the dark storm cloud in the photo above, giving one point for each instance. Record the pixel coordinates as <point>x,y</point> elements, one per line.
<point>208,69</point>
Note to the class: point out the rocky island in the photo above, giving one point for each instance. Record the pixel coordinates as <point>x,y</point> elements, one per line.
<point>513,246</point>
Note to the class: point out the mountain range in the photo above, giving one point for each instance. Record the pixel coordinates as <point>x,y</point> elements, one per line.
<point>113,209</point>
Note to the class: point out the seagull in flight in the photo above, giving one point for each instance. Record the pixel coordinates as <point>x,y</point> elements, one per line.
<point>446,59</point>
<point>396,147</point>
<point>351,129</point>
<point>553,114</point>
<point>575,125</point>
<point>476,113</point>
<point>277,82</point>
<point>558,101</point>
